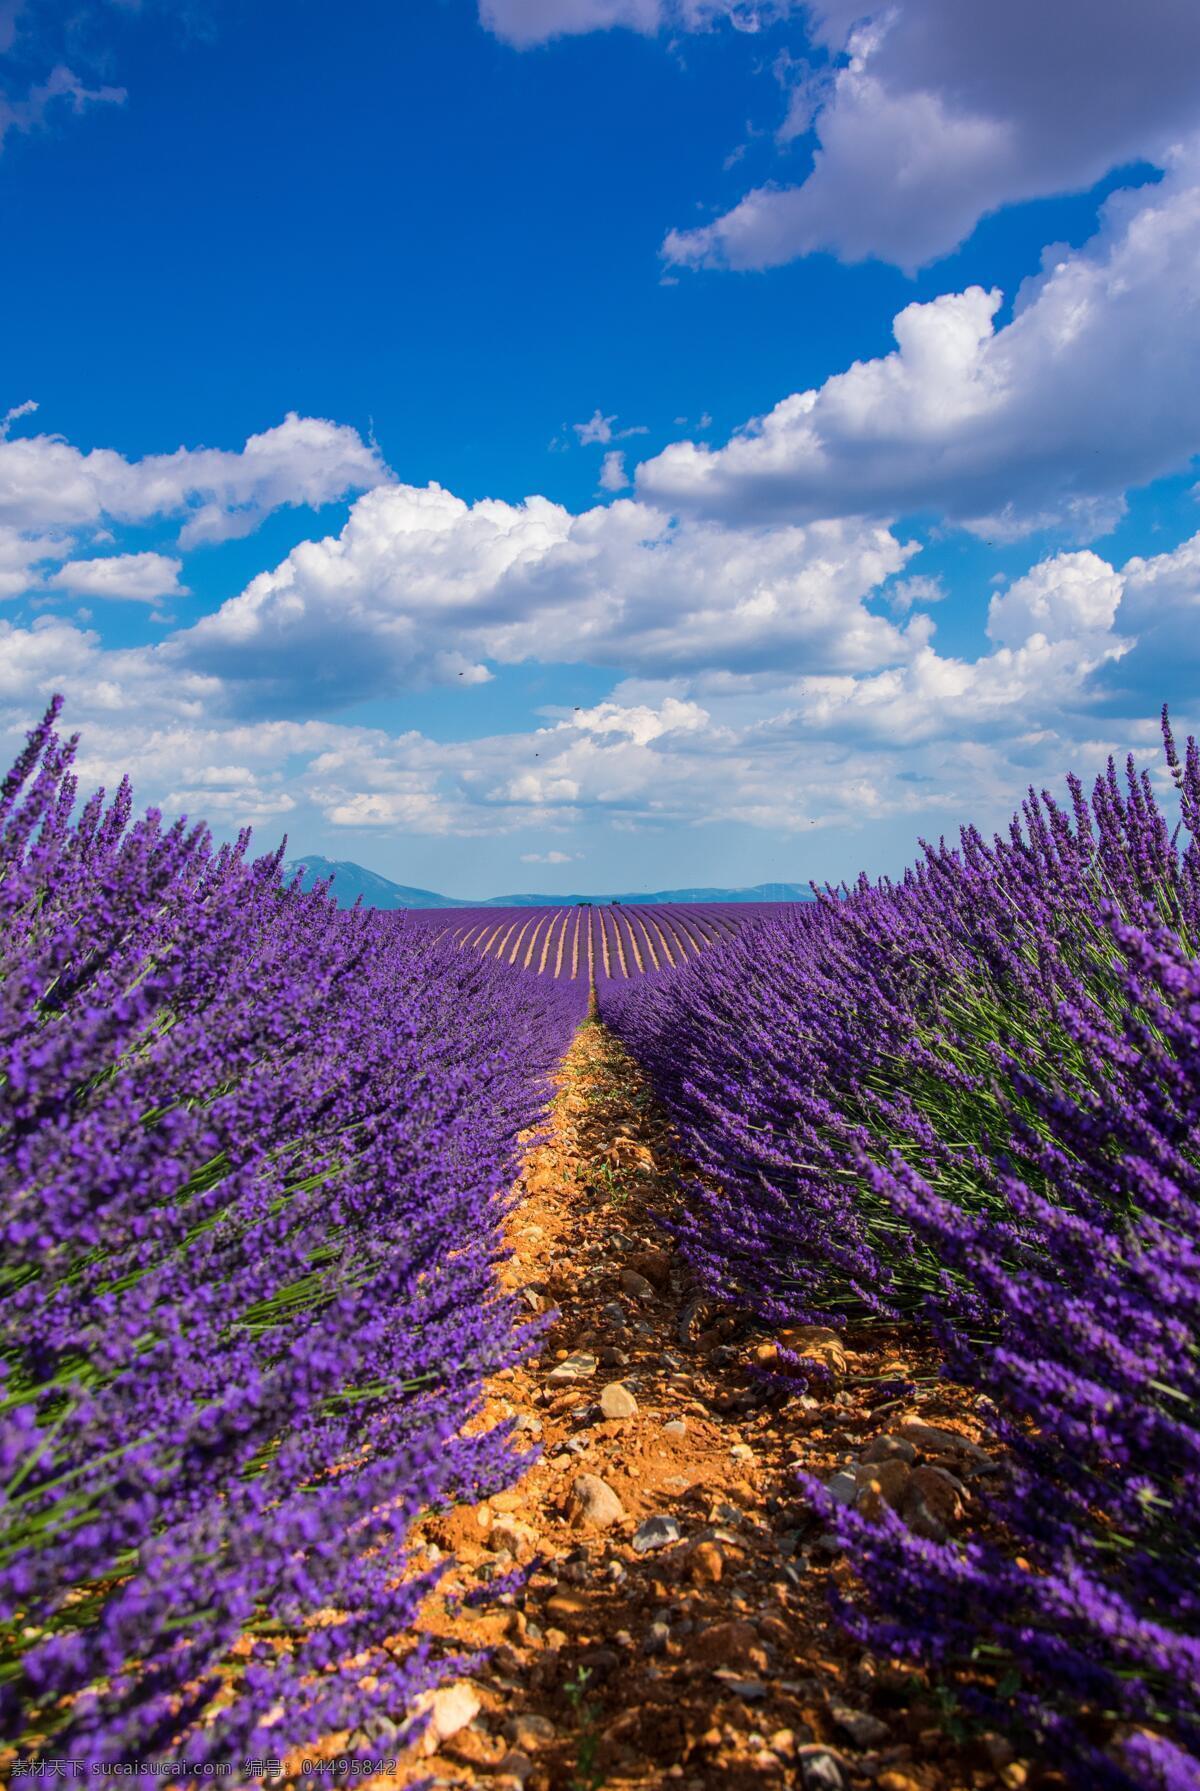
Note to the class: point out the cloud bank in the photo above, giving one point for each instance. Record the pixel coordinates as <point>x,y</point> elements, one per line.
<point>420,587</point>
<point>1046,420</point>
<point>55,497</point>
<point>929,114</point>
<point>757,679</point>
<point>46,483</point>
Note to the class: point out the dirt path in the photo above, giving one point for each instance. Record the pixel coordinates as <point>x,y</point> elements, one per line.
<point>677,1629</point>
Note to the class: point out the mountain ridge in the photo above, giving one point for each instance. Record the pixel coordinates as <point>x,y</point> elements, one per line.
<point>350,881</point>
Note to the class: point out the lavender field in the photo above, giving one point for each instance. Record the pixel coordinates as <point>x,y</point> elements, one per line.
<point>256,1151</point>
<point>259,1153</point>
<point>974,1096</point>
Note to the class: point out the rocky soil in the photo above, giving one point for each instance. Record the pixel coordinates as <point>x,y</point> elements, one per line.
<point>675,1628</point>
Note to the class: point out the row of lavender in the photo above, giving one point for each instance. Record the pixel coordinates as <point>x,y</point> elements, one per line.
<point>601,943</point>
<point>254,1155</point>
<point>974,1095</point>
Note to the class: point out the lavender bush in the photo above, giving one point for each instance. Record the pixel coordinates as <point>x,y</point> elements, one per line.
<point>974,1095</point>
<point>254,1158</point>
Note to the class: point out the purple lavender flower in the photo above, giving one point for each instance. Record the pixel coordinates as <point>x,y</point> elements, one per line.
<point>973,1096</point>
<point>256,1154</point>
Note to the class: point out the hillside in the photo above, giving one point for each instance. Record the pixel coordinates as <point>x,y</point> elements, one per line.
<point>352,880</point>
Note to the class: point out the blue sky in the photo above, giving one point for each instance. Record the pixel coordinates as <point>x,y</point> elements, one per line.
<point>478,439</point>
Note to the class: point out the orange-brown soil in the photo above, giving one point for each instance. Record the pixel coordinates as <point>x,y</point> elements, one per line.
<point>711,1660</point>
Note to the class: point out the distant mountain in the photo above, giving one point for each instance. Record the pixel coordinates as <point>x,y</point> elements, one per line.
<point>351,881</point>
<point>762,892</point>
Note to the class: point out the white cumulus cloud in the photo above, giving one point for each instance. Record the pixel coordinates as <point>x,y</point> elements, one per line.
<point>1093,386</point>
<point>929,114</point>
<point>143,577</point>
<point>920,737</point>
<point>760,688</point>
<point>421,587</point>
<point>47,483</point>
<point>1069,597</point>
<point>19,555</point>
<point>598,428</point>
<point>613,476</point>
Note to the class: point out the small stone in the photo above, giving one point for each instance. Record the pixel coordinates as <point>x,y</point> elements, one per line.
<point>616,1401</point>
<point>612,1357</point>
<point>594,1502</point>
<point>999,1750</point>
<point>752,1690</point>
<point>863,1729</point>
<point>517,1765</point>
<point>676,1428</point>
<point>819,1343</point>
<point>655,1532</point>
<point>935,1441</point>
<point>655,1639</point>
<point>889,1448</point>
<point>741,1452</point>
<point>600,1661</point>
<point>705,1564</point>
<point>655,1265</point>
<point>783,1741</point>
<point>627,1153</point>
<point>578,1367</point>
<point>821,1771</point>
<point>451,1708</point>
<point>896,1781</point>
<point>613,1315</point>
<point>565,1605</point>
<point>510,1533</point>
<point>843,1488</point>
<point>880,1483</point>
<point>731,1644</point>
<point>529,1731</point>
<point>636,1285</point>
<point>931,1507</point>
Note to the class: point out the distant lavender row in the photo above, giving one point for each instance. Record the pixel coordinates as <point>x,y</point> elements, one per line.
<point>254,1156</point>
<point>601,942</point>
<point>975,1095</point>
